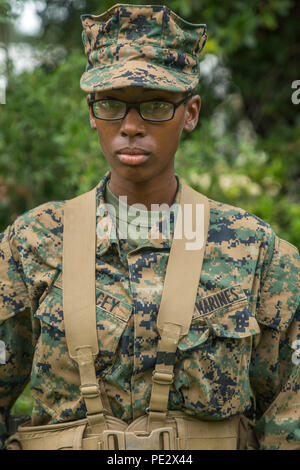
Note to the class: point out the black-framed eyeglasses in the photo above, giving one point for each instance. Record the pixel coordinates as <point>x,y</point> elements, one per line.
<point>110,109</point>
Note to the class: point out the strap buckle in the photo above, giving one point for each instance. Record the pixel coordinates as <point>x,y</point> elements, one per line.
<point>159,439</point>
<point>90,390</point>
<point>162,377</point>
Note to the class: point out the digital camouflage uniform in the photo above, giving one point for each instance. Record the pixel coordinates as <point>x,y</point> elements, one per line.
<point>239,349</point>
<point>239,355</point>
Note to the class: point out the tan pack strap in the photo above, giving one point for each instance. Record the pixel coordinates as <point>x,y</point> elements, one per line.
<point>90,390</point>
<point>79,295</point>
<point>78,274</point>
<point>178,301</point>
<point>184,266</point>
<point>163,375</point>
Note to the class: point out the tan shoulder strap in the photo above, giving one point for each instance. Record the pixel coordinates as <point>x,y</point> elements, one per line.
<point>178,298</point>
<point>78,273</point>
<point>79,298</point>
<point>185,262</point>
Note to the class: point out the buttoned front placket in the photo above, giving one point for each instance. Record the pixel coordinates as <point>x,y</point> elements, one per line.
<point>139,277</point>
<point>147,268</point>
<point>114,363</point>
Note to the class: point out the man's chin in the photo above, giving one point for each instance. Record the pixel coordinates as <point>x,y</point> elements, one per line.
<point>137,174</point>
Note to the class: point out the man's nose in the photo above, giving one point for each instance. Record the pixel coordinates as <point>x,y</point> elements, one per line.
<point>133,124</point>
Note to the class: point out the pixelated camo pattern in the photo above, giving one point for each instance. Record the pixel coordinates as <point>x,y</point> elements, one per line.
<point>141,45</point>
<point>240,348</point>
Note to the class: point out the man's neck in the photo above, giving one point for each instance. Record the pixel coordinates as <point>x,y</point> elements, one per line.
<point>161,190</point>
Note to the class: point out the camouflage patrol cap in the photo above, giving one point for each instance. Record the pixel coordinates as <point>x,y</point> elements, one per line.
<point>141,45</point>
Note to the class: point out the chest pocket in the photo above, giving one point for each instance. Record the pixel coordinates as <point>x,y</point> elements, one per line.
<point>212,371</point>
<point>112,316</point>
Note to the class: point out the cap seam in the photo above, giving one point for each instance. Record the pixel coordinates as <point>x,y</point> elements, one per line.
<point>162,66</point>
<point>123,41</point>
<point>162,26</point>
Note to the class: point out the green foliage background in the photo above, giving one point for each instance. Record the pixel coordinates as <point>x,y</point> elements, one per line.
<point>245,150</point>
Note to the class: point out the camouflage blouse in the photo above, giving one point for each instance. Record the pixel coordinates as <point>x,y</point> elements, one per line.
<point>238,357</point>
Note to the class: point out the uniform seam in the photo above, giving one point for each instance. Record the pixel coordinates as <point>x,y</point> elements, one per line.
<point>21,273</point>
<point>272,245</point>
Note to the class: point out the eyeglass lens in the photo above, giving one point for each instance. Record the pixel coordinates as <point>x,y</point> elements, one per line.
<point>151,110</point>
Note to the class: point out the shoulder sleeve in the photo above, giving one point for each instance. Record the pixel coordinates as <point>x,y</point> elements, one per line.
<point>30,261</point>
<point>16,337</point>
<point>279,296</point>
<point>13,292</point>
<point>275,369</point>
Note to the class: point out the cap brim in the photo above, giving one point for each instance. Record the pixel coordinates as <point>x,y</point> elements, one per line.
<point>139,74</point>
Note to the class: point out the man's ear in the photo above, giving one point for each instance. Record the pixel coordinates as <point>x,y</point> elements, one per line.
<point>192,111</point>
<point>92,119</point>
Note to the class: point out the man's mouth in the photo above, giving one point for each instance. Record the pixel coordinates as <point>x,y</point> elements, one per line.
<point>132,156</point>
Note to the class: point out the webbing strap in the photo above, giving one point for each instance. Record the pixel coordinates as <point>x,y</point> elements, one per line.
<point>78,274</point>
<point>184,264</point>
<point>79,293</point>
<point>162,376</point>
<point>178,298</point>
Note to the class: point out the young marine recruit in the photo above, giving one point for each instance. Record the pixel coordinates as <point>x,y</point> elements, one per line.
<point>134,335</point>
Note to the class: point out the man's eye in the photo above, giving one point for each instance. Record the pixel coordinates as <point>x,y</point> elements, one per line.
<point>158,105</point>
<point>110,104</point>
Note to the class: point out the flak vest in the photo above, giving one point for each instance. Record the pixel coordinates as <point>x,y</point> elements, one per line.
<point>159,428</point>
